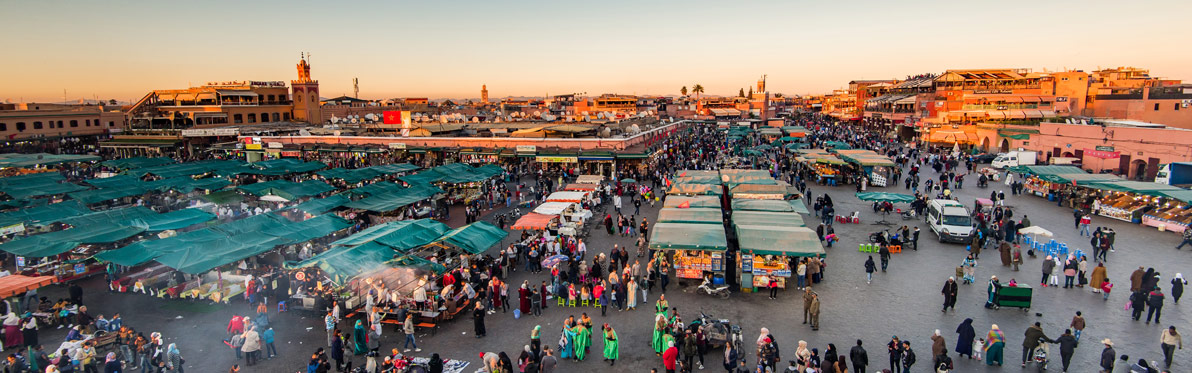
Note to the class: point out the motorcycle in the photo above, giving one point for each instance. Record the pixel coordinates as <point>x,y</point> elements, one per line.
<point>909,214</point>
<point>1040,356</point>
<point>718,332</point>
<point>707,288</point>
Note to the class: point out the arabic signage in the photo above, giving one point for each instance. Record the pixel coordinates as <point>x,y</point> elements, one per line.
<point>556,159</point>
<point>527,148</point>
<point>1104,148</point>
<point>397,145</point>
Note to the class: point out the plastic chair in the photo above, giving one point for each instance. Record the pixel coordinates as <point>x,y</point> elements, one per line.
<point>562,301</point>
<point>281,306</point>
<point>571,303</point>
<point>896,249</point>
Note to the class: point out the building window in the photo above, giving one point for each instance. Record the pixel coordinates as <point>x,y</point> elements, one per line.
<point>1177,106</point>
<point>276,117</point>
<point>60,125</point>
<point>286,116</point>
<point>252,118</point>
<point>1156,107</point>
<point>3,126</point>
<point>20,126</point>
<point>299,98</point>
<point>264,117</point>
<point>281,97</point>
<point>36,125</point>
<point>111,124</point>
<point>238,118</point>
<point>74,123</point>
<point>87,123</point>
<point>271,97</point>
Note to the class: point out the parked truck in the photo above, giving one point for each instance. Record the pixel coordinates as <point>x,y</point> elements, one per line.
<point>1014,158</point>
<point>1178,173</point>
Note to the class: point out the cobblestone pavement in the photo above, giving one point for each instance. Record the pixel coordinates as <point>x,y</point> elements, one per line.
<point>904,301</point>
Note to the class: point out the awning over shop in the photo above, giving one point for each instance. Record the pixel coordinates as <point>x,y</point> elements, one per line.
<point>13,285</point>
<point>1138,187</point>
<point>690,215</point>
<point>777,240</point>
<point>695,189</point>
<point>44,215</point>
<point>885,197</point>
<point>680,236</point>
<point>761,205</point>
<point>785,219</point>
<point>321,205</point>
<point>174,220</point>
<point>575,197</point>
<point>733,177</point>
<point>533,221</point>
<point>692,202</point>
<point>866,158</point>
<point>474,238</point>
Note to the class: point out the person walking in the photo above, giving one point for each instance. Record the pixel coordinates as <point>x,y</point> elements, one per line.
<point>1067,343</point>
<point>270,348</point>
<point>859,357</point>
<point>995,342</point>
<point>807,297</point>
<point>1048,267</point>
<point>908,356</point>
<point>870,267</point>
<point>330,322</point>
<point>814,310</point>
<point>407,327</point>
<point>1154,303</point>
<point>1169,340</point>
<point>1077,325</point>
<point>949,291</point>
<point>1031,340</point>
<point>1177,287</point>
<point>478,320</point>
<point>1187,239</point>
<point>1108,356</point>
<point>884,254</point>
<point>611,345</point>
<point>1097,277</point>
<point>252,345</point>
<point>1137,304</point>
<point>964,341</point>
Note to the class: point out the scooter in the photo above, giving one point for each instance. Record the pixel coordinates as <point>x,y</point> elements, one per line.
<point>1040,356</point>
<point>707,288</point>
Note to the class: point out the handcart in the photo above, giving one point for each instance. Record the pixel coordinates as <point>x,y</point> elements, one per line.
<point>1013,296</point>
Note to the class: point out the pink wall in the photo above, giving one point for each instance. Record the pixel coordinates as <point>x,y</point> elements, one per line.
<point>1151,146</point>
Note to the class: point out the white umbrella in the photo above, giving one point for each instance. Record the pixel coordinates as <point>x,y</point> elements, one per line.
<point>1035,230</point>
<point>274,198</point>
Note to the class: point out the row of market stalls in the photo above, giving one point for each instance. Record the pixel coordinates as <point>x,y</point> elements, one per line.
<point>737,226</point>
<point>840,165</point>
<point>1158,205</point>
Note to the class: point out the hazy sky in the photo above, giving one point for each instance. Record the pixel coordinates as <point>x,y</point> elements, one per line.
<point>123,49</point>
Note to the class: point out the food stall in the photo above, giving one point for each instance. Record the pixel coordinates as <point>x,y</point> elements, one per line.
<point>826,166</point>
<point>879,168</point>
<point>573,212</point>
<point>580,187</point>
<point>1175,217</point>
<point>574,197</point>
<point>698,247</point>
<point>1130,200</point>
<point>760,191</point>
<point>1124,206</point>
<point>766,252</point>
<point>589,179</point>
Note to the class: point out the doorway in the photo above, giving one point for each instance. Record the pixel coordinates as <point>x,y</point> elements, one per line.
<point>1005,146</point>
<point>1138,169</point>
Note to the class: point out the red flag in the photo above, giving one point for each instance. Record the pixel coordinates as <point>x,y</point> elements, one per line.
<point>392,117</point>
<point>685,205</point>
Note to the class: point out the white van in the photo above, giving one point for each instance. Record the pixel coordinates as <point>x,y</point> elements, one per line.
<point>950,220</point>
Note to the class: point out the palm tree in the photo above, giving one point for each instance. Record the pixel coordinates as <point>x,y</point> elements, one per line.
<point>697,89</point>
<point>683,90</point>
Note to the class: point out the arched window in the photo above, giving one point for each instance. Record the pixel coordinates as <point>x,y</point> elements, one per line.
<point>299,98</point>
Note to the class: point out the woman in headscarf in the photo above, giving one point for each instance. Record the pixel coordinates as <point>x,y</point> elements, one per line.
<point>12,330</point>
<point>524,297</point>
<point>374,337</point>
<point>994,343</point>
<point>659,330</point>
<point>435,365</point>
<point>611,345</point>
<point>505,364</point>
<point>964,342</point>
<point>174,358</point>
<point>1098,277</point>
<point>761,340</point>
<point>992,290</point>
<point>111,364</point>
<point>1177,287</point>
<point>830,356</point>
<point>29,329</point>
<point>567,343</point>
<point>360,342</point>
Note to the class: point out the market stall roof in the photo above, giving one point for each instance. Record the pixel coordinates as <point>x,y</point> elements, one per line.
<point>865,157</point>
<point>837,145</point>
<point>474,238</point>
<point>37,184</point>
<point>173,220</point>
<point>283,166</point>
<point>1044,170</point>
<point>41,159</point>
<point>217,166</point>
<point>454,173</point>
<point>695,189</point>
<point>350,176</point>
<point>690,215</point>
<point>288,189</point>
<point>691,202</point>
<point>398,235</point>
<point>1084,178</point>
<point>533,221</point>
<point>686,236</point>
<point>589,179</point>
<point>394,199</point>
<point>785,219</point>
<point>137,162</point>
<point>185,184</point>
<point>321,205</point>
<point>798,206</point>
<point>12,285</point>
<point>777,240</point>
<point>885,197</point>
<point>699,179</point>
<point>580,187</point>
<point>44,215</point>
<point>1131,186</point>
<point>759,191</point>
<point>761,205</point>
<point>575,197</point>
<point>54,243</point>
<point>698,173</point>
<point>553,208</point>
<point>110,193</point>
<point>770,131</point>
<point>242,241</point>
<point>342,264</point>
<point>223,197</point>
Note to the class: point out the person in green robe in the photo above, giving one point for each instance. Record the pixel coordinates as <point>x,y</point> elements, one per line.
<point>361,344</point>
<point>659,331</point>
<point>583,339</point>
<point>611,349</point>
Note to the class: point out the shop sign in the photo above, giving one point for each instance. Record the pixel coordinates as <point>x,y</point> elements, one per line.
<point>993,91</point>
<point>80,269</point>
<point>252,146</point>
<point>1102,154</point>
<point>275,145</point>
<point>397,145</point>
<point>1104,148</point>
<point>555,159</point>
<point>203,132</point>
<point>527,148</point>
<point>11,229</point>
<point>717,261</point>
<point>747,263</point>
<point>20,262</point>
<point>289,153</point>
<point>772,272</point>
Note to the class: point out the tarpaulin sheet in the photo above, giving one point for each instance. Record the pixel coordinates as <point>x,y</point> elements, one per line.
<point>114,181</point>
<point>690,215</point>
<point>207,248</point>
<point>885,197</point>
<point>454,173</point>
<point>350,176</point>
<point>38,159</point>
<point>173,220</point>
<point>398,235</point>
<point>776,240</point>
<point>223,197</point>
<point>196,259</point>
<point>379,188</point>
<point>17,284</point>
<point>784,219</point>
<point>390,201</point>
<point>342,264</point>
<point>144,251</point>
<point>137,162</point>
<point>321,205</point>
<point>684,236</point>
<point>218,166</point>
<point>109,193</point>
<point>120,216</point>
<point>185,184</point>
<point>761,205</point>
<point>575,197</point>
<point>394,168</point>
<point>308,229</point>
<point>38,184</point>
<point>798,206</point>
<point>698,179</point>
<point>533,221</point>
<point>288,189</point>
<point>474,238</point>
<point>284,166</point>
<point>44,215</point>
<point>58,242</point>
<point>692,202</point>
<point>759,191</point>
<point>695,189</point>
<point>580,187</point>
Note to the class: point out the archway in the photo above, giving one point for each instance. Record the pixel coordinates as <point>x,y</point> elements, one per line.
<point>1137,169</point>
<point>1005,145</point>
<point>985,144</point>
<point>1069,155</point>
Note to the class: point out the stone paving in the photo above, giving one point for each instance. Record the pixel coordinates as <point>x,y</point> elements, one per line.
<point>904,301</point>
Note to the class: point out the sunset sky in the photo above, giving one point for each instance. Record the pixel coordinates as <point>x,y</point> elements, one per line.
<point>447,49</point>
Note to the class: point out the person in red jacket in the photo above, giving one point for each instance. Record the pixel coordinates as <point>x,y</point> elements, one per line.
<point>670,357</point>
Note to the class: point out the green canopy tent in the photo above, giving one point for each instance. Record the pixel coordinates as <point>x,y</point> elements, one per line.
<point>685,236</point>
<point>798,206</point>
<point>44,215</point>
<point>173,220</point>
<point>761,205</point>
<point>169,171</point>
<point>399,235</point>
<point>54,243</point>
<point>344,264</point>
<point>698,179</point>
<point>690,215</point>
<point>288,189</point>
<point>225,197</point>
<point>321,205</point>
<point>137,162</point>
<point>694,190</point>
<point>779,240</point>
<point>885,197</point>
<point>41,159</point>
<point>759,191</point>
<point>283,166</point>
<point>692,202</point>
<point>473,238</point>
<point>38,184</point>
<point>392,200</point>
<point>785,219</point>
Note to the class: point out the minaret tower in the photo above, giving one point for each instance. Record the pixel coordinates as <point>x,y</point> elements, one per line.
<point>305,94</point>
